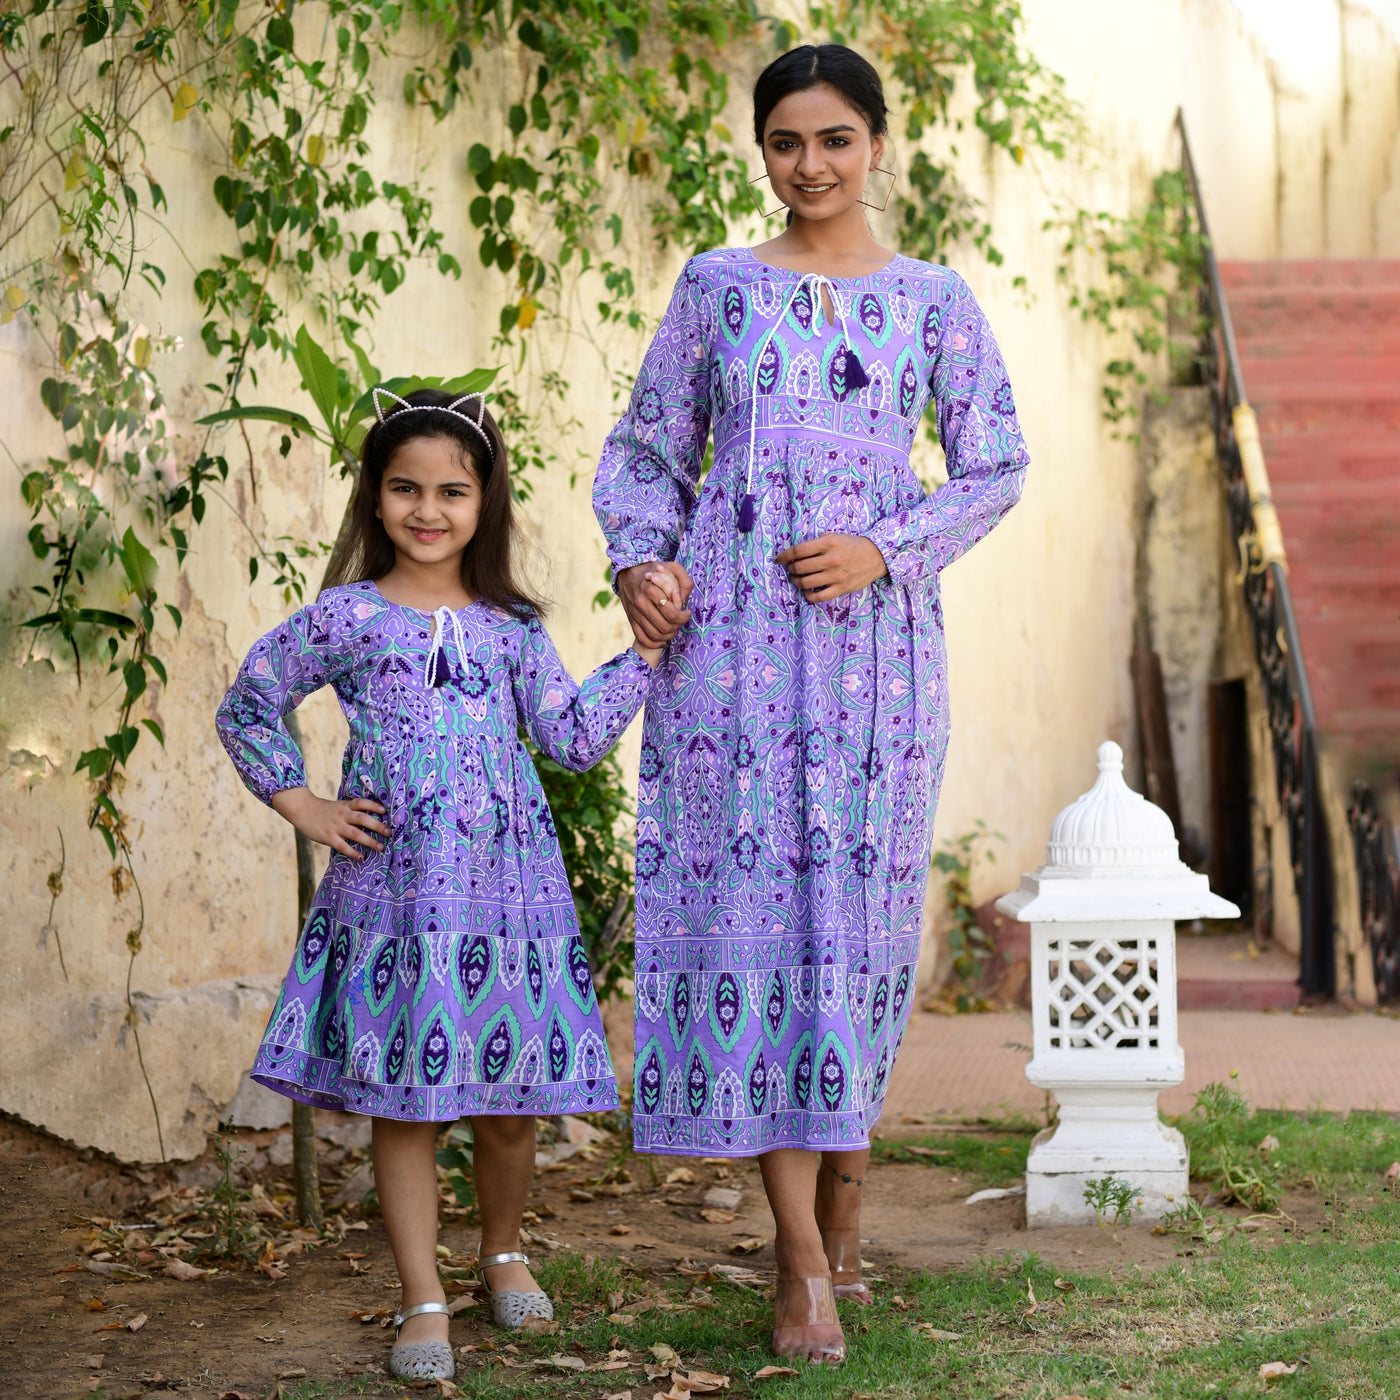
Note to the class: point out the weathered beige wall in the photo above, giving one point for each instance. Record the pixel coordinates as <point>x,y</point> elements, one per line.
<point>1039,617</point>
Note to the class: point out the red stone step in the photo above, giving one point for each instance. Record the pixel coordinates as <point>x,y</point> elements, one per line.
<point>1319,344</point>
<point>1295,275</point>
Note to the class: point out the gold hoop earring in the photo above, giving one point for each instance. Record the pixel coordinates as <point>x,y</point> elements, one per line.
<point>884,204</point>
<point>758,203</point>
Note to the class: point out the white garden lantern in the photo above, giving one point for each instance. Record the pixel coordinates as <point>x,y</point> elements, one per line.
<point>1102,911</point>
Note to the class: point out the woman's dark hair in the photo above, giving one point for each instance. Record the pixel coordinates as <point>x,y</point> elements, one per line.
<point>489,564</point>
<point>805,67</point>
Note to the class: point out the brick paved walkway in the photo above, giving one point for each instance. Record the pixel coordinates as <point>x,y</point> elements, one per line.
<point>973,1064</point>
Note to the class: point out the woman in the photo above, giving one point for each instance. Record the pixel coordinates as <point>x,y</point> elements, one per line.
<point>796,732</point>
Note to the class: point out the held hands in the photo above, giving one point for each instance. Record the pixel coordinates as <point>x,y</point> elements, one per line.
<point>654,597</point>
<point>832,565</point>
<point>330,823</point>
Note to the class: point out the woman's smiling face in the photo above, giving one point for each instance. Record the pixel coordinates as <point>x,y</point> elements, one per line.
<point>819,152</point>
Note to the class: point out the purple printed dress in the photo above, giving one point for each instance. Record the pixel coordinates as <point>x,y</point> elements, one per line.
<point>443,976</point>
<point>792,753</point>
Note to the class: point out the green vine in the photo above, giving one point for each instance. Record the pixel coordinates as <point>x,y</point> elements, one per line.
<point>1152,263</point>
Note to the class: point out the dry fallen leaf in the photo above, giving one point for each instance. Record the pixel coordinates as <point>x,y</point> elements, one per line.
<point>718,1217</point>
<point>928,1151</point>
<point>564,1363</point>
<point>768,1373</point>
<point>664,1354</point>
<point>296,1373</point>
<point>751,1245</point>
<point>701,1382</point>
<point>1064,1285</point>
<point>96,1305</point>
<point>186,1273</point>
<point>680,1176</point>
<point>1272,1370</point>
<point>927,1329</point>
<point>609,1366</point>
<point>619,1395</point>
<point>621,1230</point>
<point>95,1362</point>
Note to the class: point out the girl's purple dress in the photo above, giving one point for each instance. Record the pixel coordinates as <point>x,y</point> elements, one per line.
<point>792,752</point>
<point>443,976</point>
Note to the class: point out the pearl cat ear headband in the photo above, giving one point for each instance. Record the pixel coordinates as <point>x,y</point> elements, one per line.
<point>475,424</point>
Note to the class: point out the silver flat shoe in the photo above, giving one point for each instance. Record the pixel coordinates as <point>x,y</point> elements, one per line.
<point>421,1361</point>
<point>511,1308</point>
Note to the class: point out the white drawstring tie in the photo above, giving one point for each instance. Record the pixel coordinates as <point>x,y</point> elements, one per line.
<point>853,371</point>
<point>436,671</point>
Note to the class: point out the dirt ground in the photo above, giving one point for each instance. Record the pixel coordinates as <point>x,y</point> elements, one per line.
<point>72,1300</point>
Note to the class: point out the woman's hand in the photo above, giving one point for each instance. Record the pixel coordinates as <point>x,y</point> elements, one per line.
<point>334,824</point>
<point>831,565</point>
<point>654,597</point>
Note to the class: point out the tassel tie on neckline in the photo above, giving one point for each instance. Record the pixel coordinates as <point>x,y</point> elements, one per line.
<point>852,371</point>
<point>436,670</point>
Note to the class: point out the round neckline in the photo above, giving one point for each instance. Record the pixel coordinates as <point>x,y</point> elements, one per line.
<point>793,272</point>
<point>422,612</point>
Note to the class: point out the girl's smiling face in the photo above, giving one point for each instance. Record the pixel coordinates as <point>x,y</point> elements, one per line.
<point>819,152</point>
<point>430,500</point>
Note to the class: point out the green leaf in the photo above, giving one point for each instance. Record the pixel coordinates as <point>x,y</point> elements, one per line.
<point>318,375</point>
<point>134,674</point>
<point>298,422</point>
<point>176,615</point>
<point>156,730</point>
<point>101,617</point>
<point>516,119</point>
<point>139,564</point>
<point>158,666</point>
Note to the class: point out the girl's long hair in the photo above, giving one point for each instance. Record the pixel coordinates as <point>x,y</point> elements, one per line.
<point>490,562</point>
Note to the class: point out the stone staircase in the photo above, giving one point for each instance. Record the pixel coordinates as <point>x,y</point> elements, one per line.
<point>1319,345</point>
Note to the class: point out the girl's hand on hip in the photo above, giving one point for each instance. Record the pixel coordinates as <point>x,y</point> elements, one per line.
<point>334,824</point>
<point>832,565</point>
<point>654,597</point>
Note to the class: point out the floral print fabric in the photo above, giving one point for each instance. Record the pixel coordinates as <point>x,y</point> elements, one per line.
<point>443,976</point>
<point>792,752</point>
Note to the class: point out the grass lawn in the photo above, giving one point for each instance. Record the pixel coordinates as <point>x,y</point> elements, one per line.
<point>1323,1297</point>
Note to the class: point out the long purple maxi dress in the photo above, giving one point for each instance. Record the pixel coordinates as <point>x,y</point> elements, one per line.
<point>792,753</point>
<point>443,976</point>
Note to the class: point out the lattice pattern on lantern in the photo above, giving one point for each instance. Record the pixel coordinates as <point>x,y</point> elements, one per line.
<point>1103,993</point>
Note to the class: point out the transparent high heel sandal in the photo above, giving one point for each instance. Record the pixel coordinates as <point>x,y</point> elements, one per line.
<point>795,1339</point>
<point>421,1361</point>
<point>842,1250</point>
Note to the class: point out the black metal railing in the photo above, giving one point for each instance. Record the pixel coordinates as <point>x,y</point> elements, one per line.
<point>1277,648</point>
<point>1377,852</point>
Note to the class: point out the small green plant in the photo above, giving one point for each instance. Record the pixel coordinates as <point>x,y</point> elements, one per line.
<point>970,945</point>
<point>591,812</point>
<point>1112,1199</point>
<point>231,1239</point>
<point>1220,1131</point>
<point>455,1159</point>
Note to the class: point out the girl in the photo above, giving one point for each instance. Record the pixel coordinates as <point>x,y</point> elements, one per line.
<point>786,805</point>
<point>440,974</point>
